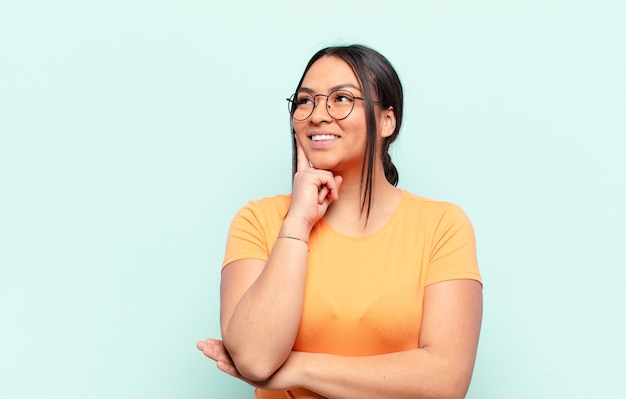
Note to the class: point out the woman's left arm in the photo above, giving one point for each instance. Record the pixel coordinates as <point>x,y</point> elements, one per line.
<point>440,368</point>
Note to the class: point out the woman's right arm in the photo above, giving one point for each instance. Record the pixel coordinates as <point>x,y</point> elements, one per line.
<point>261,302</point>
<point>261,305</point>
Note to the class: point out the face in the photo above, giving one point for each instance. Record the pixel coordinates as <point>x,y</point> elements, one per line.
<point>336,145</point>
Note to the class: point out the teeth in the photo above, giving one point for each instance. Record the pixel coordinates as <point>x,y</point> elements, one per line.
<point>320,137</point>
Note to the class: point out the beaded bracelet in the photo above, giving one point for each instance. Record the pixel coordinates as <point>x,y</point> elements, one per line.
<point>294,238</point>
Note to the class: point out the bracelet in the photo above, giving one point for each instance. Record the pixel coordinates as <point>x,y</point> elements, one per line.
<point>294,238</point>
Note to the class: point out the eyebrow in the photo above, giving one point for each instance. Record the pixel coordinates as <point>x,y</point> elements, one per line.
<point>337,87</point>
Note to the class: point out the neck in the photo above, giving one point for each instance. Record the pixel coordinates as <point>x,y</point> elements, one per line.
<point>347,211</point>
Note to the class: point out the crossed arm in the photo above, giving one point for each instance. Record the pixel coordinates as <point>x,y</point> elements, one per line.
<point>261,306</point>
<point>440,368</point>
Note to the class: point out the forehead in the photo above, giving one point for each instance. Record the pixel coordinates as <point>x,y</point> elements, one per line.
<point>329,72</point>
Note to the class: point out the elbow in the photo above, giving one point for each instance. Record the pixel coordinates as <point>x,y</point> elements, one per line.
<point>251,364</point>
<point>454,394</point>
<point>455,390</point>
<point>444,393</point>
<point>254,371</point>
<point>449,385</point>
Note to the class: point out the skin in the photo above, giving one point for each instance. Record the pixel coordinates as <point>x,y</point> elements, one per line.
<point>261,302</point>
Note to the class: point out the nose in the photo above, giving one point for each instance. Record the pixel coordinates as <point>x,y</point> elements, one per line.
<point>320,111</point>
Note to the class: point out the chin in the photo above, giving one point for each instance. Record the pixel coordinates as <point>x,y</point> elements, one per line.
<point>325,165</point>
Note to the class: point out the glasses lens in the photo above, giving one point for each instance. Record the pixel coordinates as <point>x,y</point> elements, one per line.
<point>340,104</point>
<point>301,106</point>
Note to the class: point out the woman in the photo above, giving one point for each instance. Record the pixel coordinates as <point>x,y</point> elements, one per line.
<point>349,287</point>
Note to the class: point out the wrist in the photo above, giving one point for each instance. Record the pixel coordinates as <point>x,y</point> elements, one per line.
<point>296,227</point>
<point>308,372</point>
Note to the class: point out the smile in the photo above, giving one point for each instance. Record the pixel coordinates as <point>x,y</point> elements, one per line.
<point>322,137</point>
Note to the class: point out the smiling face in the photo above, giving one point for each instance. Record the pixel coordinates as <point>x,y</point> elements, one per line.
<point>336,145</point>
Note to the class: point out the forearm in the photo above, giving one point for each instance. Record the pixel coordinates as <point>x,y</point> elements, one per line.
<point>262,329</point>
<point>414,374</point>
<point>441,368</point>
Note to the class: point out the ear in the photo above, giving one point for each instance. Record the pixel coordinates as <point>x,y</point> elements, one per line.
<point>387,122</point>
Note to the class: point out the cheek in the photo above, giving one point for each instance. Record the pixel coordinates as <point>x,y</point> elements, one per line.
<point>298,127</point>
<point>356,121</point>
<point>357,128</point>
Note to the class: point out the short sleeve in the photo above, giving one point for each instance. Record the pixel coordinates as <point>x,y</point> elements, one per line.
<point>254,228</point>
<point>453,254</point>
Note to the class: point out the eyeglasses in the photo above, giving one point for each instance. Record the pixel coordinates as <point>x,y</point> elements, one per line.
<point>339,104</point>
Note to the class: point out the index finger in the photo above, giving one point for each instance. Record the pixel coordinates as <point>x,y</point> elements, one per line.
<point>303,161</point>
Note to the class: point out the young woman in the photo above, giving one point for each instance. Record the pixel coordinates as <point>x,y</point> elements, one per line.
<point>349,287</point>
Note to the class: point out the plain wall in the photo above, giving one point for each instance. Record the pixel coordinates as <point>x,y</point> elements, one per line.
<point>132,131</point>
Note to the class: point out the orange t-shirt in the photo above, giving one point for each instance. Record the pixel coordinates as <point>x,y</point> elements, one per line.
<point>364,295</point>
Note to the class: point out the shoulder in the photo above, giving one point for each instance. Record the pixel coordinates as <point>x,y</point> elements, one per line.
<point>435,217</point>
<point>449,235</point>
<point>430,207</point>
<point>266,210</point>
<point>278,204</point>
<point>259,220</point>
<point>254,227</point>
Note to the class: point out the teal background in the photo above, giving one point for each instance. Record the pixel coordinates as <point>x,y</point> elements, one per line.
<point>131,132</point>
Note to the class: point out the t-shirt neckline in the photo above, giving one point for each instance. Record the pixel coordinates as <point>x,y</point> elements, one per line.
<point>323,224</point>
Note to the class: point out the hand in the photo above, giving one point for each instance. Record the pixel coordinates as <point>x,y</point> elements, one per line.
<point>214,349</point>
<point>283,379</point>
<point>313,190</point>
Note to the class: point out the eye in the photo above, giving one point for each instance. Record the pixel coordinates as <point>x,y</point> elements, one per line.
<point>342,97</point>
<point>304,99</point>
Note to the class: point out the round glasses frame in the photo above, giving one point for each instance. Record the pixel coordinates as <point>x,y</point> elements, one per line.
<point>294,105</point>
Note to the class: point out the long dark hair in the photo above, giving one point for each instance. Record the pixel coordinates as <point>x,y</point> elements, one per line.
<point>376,75</point>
